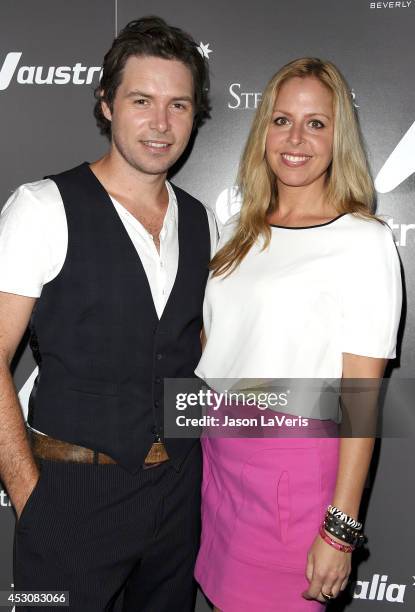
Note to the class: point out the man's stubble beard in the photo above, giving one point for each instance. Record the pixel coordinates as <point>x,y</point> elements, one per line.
<point>143,169</point>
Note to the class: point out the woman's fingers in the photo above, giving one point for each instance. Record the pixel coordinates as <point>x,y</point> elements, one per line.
<point>309,568</point>
<point>323,588</point>
<point>334,590</point>
<point>319,586</point>
<point>327,571</point>
<point>344,583</point>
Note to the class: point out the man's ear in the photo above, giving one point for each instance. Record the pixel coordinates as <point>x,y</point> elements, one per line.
<point>105,108</point>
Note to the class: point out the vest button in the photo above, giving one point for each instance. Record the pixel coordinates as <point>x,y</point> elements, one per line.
<point>159,356</point>
<point>157,380</point>
<point>157,403</point>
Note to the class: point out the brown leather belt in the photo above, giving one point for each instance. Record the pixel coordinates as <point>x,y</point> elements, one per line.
<point>45,447</point>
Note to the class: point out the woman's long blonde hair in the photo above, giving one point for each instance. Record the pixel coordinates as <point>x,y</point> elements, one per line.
<point>349,186</point>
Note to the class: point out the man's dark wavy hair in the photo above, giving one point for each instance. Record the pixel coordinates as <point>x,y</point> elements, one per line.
<point>151,36</point>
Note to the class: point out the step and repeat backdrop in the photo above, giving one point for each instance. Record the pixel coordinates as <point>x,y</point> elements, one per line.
<point>50,60</point>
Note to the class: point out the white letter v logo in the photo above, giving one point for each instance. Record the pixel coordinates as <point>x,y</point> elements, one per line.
<point>8,68</point>
<point>399,165</point>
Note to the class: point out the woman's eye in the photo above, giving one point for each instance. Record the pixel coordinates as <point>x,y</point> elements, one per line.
<point>315,123</point>
<point>280,120</point>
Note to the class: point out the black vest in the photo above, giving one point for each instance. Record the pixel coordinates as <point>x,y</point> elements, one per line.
<point>101,349</point>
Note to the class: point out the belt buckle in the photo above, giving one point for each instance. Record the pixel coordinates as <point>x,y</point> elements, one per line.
<point>156,455</point>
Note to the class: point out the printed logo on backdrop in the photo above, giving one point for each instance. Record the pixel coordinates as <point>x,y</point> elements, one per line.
<point>14,67</point>
<point>4,499</point>
<point>380,588</point>
<point>245,100</point>
<point>249,100</point>
<point>400,164</point>
<point>228,203</point>
<point>204,49</point>
<point>398,167</point>
<point>405,4</point>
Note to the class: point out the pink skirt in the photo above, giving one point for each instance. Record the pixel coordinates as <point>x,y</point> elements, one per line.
<point>263,501</point>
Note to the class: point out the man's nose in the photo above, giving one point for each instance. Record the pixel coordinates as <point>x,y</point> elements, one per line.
<point>160,119</point>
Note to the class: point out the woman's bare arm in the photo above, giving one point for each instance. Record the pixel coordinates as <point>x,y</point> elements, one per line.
<point>327,568</point>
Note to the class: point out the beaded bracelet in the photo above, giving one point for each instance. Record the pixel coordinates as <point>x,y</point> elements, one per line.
<point>341,547</point>
<point>341,531</point>
<point>345,518</point>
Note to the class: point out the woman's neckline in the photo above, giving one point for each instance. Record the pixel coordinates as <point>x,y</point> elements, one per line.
<point>308,226</point>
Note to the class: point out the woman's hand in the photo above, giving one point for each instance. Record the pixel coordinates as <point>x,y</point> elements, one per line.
<point>327,570</point>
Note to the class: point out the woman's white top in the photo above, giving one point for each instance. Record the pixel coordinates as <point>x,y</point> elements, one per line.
<point>293,309</point>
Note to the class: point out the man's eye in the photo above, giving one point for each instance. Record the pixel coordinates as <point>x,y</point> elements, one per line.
<point>140,101</point>
<point>179,105</point>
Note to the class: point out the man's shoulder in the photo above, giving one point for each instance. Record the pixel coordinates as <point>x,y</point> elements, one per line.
<point>36,188</point>
<point>185,196</point>
<point>40,194</point>
<point>203,211</point>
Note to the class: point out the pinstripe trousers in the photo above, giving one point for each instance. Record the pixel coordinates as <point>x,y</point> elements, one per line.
<point>104,534</point>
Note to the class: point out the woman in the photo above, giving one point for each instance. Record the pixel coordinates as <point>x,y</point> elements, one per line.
<point>306,284</point>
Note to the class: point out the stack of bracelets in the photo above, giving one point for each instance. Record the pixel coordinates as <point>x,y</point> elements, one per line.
<point>343,527</point>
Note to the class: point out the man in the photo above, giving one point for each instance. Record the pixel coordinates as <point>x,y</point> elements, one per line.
<point>108,262</point>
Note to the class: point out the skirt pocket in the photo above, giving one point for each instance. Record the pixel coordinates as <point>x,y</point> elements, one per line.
<point>279,515</point>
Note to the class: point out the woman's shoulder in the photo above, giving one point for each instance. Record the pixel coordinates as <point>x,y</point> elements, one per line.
<point>369,230</point>
<point>366,243</point>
